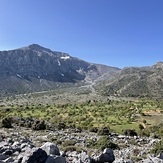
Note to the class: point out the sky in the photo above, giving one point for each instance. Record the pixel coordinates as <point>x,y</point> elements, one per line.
<point>117,33</point>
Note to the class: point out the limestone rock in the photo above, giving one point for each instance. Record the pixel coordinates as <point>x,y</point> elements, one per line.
<point>106,156</point>
<point>50,149</point>
<point>55,159</point>
<point>34,156</point>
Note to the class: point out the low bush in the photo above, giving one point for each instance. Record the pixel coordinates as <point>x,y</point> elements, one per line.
<point>105,142</point>
<point>102,143</point>
<point>61,125</point>
<point>104,131</point>
<point>6,122</point>
<point>39,125</point>
<point>158,148</point>
<point>130,132</point>
<point>94,129</point>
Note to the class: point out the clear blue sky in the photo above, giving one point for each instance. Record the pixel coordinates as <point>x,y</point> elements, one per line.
<point>113,32</point>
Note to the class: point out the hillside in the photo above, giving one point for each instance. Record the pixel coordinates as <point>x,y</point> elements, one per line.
<point>35,68</point>
<point>135,81</point>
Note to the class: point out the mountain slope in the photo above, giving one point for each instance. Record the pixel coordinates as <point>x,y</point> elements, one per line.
<point>135,81</point>
<point>35,68</point>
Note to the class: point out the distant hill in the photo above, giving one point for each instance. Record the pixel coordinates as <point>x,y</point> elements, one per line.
<point>135,81</point>
<point>35,68</point>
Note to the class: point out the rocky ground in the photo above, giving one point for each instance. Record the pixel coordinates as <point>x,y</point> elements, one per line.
<point>20,145</point>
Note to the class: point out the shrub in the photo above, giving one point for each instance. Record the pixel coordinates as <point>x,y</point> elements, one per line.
<point>104,131</point>
<point>130,132</point>
<point>94,129</point>
<point>102,143</point>
<point>6,122</point>
<point>141,127</point>
<point>158,148</point>
<point>39,125</point>
<point>61,125</point>
<point>145,132</point>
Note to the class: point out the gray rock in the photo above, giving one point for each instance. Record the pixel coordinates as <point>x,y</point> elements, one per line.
<point>123,161</point>
<point>153,160</point>
<point>23,145</point>
<point>17,149</point>
<point>106,156</point>
<point>20,157</point>
<point>161,155</point>
<point>15,144</point>
<point>55,159</point>
<point>50,149</point>
<point>3,157</point>
<point>9,160</point>
<point>34,156</point>
<point>5,148</point>
<point>84,158</point>
<point>8,152</point>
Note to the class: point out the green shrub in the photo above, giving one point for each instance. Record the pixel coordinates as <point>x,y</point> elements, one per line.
<point>102,143</point>
<point>94,129</point>
<point>61,125</point>
<point>130,132</point>
<point>145,132</point>
<point>39,125</point>
<point>104,131</point>
<point>158,148</point>
<point>6,122</point>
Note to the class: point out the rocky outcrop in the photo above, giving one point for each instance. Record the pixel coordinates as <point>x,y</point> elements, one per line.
<point>15,148</point>
<point>19,152</point>
<point>34,155</point>
<point>50,149</point>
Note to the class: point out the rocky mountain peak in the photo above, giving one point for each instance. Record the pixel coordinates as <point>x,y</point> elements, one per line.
<point>37,68</point>
<point>37,49</point>
<point>158,66</point>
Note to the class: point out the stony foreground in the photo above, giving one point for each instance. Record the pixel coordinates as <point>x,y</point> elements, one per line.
<point>16,147</point>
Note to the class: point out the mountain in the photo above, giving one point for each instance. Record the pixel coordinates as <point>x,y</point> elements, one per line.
<point>134,82</point>
<point>35,68</point>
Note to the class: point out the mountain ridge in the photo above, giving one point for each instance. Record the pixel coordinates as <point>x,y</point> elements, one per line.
<point>135,82</point>
<point>34,67</point>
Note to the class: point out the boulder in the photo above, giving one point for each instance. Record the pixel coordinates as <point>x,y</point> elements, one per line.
<point>35,155</point>
<point>106,156</point>
<point>9,160</point>
<point>8,152</point>
<point>55,159</point>
<point>50,149</point>
<point>161,156</point>
<point>3,157</point>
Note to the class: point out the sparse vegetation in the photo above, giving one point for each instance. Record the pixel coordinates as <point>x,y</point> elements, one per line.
<point>158,148</point>
<point>101,144</point>
<point>102,116</point>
